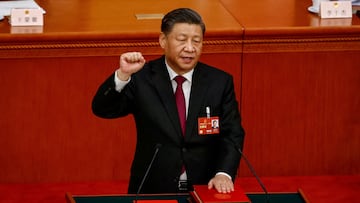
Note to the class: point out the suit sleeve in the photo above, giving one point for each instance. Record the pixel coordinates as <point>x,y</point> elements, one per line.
<point>232,132</point>
<point>109,103</point>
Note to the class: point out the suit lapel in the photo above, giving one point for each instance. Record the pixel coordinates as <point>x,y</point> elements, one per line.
<point>199,88</point>
<point>162,83</point>
<point>160,79</point>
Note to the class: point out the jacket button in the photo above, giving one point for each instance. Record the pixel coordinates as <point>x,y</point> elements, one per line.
<point>184,149</point>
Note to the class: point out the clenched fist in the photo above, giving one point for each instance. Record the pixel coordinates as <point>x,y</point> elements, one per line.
<point>130,63</point>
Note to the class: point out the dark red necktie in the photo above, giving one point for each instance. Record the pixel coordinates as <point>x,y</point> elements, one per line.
<point>180,101</point>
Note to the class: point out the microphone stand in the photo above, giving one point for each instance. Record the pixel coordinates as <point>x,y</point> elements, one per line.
<point>252,170</point>
<point>147,171</point>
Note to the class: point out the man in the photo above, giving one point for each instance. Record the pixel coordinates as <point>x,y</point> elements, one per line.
<point>187,153</point>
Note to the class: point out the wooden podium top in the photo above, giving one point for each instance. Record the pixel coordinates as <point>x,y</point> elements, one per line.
<point>92,27</point>
<point>286,16</point>
<point>112,24</point>
<point>91,19</point>
<point>287,25</point>
<point>68,19</point>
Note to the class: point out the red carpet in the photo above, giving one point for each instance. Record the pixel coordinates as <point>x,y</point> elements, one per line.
<point>317,189</point>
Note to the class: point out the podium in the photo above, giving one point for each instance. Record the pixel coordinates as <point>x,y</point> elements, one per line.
<point>125,198</point>
<point>273,197</point>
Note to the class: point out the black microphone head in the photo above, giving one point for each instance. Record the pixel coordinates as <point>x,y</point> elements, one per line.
<point>158,145</point>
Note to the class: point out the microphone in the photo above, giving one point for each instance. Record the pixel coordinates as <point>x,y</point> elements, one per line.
<point>252,170</point>
<point>157,147</point>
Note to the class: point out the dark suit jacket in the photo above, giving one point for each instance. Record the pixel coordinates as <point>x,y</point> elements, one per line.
<point>150,98</point>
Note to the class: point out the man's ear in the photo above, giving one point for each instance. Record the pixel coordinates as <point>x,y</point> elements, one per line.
<point>162,40</point>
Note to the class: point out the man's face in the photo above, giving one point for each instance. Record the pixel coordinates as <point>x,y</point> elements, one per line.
<point>182,46</point>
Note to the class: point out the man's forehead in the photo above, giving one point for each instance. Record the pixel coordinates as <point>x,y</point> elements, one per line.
<point>186,28</point>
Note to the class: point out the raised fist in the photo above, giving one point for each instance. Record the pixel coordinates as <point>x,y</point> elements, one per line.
<point>130,63</point>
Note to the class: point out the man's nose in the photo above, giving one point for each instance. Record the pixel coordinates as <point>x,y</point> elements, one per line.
<point>189,46</point>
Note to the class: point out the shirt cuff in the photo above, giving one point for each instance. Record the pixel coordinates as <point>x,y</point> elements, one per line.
<point>119,84</point>
<point>222,173</point>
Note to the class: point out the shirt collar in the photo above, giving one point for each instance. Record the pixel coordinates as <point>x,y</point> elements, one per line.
<point>173,74</point>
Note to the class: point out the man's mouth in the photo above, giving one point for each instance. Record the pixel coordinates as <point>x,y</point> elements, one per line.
<point>187,59</point>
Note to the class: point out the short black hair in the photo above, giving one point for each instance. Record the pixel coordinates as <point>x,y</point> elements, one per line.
<point>181,15</point>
